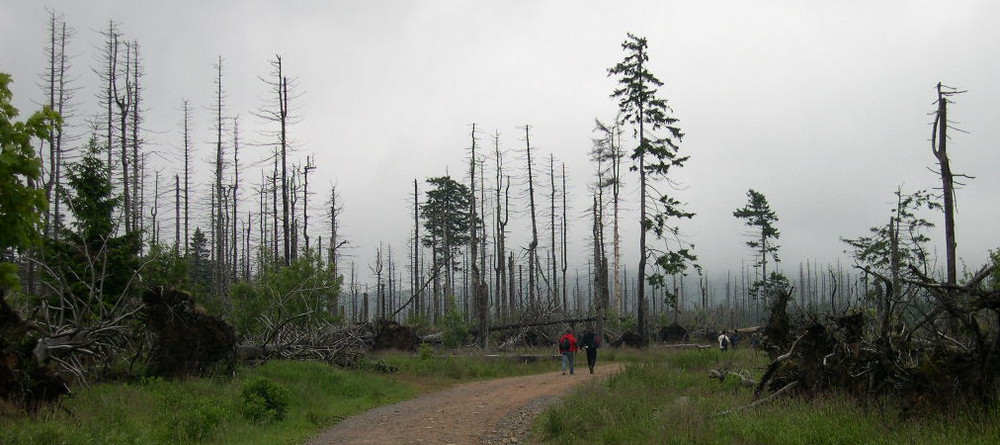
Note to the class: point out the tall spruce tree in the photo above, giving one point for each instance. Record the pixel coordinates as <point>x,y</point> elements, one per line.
<point>757,214</point>
<point>445,212</point>
<point>655,154</point>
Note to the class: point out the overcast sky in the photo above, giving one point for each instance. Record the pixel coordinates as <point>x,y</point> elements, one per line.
<point>821,106</point>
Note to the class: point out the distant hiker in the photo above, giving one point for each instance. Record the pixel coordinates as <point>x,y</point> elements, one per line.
<point>590,341</point>
<point>723,341</point>
<point>734,340</point>
<point>567,347</point>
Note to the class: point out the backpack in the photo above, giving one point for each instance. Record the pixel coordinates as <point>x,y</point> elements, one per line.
<point>564,344</point>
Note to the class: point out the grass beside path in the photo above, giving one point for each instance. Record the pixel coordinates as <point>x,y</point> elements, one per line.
<point>157,411</point>
<point>666,397</point>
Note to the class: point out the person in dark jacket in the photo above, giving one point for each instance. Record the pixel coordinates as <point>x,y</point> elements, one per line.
<point>568,348</point>
<point>590,341</point>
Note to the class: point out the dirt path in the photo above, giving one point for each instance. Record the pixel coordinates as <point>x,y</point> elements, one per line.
<point>490,412</point>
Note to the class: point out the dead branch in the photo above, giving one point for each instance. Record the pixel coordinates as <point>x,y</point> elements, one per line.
<point>761,401</point>
<point>721,374</point>
<point>774,367</point>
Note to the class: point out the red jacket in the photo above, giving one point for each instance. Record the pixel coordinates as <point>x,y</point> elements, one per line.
<point>572,343</point>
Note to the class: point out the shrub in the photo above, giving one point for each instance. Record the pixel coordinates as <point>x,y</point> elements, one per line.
<point>196,422</point>
<point>263,400</point>
<point>455,329</point>
<point>426,351</point>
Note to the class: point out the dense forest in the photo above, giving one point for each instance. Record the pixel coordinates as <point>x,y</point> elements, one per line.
<point>122,258</point>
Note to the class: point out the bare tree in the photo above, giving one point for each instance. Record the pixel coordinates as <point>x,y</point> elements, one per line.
<point>607,147</point>
<point>219,268</point>
<point>123,99</point>
<point>283,90</point>
<point>108,74</point>
<point>235,198</point>
<point>478,288</point>
<point>564,229</point>
<point>59,94</point>
<point>310,166</point>
<point>188,151</point>
<point>533,245</point>
<point>138,160</point>
<point>501,217</point>
<point>553,259</point>
<point>939,146</point>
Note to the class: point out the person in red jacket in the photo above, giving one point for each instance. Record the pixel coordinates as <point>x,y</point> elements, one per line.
<point>567,347</point>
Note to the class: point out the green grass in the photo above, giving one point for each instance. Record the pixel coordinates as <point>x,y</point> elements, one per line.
<point>446,370</point>
<point>667,398</point>
<point>205,410</point>
<point>156,411</point>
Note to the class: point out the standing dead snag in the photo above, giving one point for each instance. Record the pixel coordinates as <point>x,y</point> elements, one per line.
<point>939,146</point>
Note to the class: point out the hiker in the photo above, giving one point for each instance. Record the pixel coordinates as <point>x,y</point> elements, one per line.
<point>734,340</point>
<point>567,347</point>
<point>723,341</point>
<point>590,341</point>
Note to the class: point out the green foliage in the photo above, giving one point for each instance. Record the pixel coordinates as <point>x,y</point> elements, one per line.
<point>88,261</point>
<point>199,264</point>
<point>165,266</point>
<point>874,251</point>
<point>666,399</point>
<point>21,202</point>
<point>995,273</point>
<point>263,400</point>
<point>758,215</point>
<point>455,328</point>
<point>205,410</point>
<point>425,351</point>
<point>445,213</point>
<point>655,154</point>
<point>307,285</point>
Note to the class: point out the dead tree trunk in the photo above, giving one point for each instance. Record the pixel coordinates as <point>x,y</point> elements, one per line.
<point>533,246</point>
<point>939,146</point>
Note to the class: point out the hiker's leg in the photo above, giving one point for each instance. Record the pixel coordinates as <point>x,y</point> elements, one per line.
<point>564,359</point>
<point>571,357</point>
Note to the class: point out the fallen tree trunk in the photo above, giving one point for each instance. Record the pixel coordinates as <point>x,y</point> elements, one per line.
<point>532,324</point>
<point>685,346</point>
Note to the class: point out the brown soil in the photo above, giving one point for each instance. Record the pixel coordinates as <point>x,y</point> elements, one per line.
<point>491,412</point>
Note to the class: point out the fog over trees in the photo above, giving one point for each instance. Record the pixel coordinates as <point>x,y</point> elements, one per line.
<point>634,176</point>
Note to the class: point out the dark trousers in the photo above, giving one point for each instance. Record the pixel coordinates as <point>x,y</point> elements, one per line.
<point>591,358</point>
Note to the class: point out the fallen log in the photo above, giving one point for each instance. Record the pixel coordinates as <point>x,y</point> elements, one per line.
<point>684,346</point>
<point>532,324</point>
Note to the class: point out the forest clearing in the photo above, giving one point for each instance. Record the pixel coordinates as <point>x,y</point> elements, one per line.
<point>214,233</point>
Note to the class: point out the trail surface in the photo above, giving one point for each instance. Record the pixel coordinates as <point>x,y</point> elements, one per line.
<point>490,412</point>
